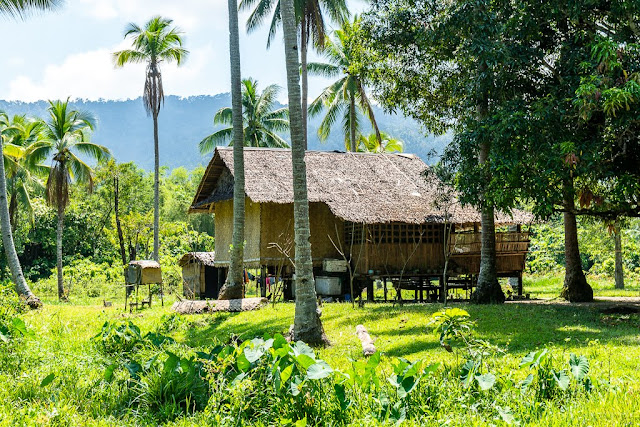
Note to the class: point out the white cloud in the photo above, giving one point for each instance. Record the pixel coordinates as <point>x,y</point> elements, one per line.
<point>92,75</point>
<point>187,14</point>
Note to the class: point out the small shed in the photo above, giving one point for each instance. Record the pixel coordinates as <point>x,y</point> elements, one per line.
<point>140,273</point>
<point>200,278</point>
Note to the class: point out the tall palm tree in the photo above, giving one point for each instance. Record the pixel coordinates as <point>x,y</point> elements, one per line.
<point>386,144</point>
<point>310,19</point>
<point>22,175</point>
<point>344,97</point>
<point>233,287</point>
<point>65,135</point>
<point>157,42</point>
<point>261,121</point>
<point>17,8</point>
<point>306,325</point>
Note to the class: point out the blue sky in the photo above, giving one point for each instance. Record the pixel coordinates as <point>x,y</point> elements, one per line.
<point>68,52</point>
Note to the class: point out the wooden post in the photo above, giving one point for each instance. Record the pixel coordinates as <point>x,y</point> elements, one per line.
<point>520,284</point>
<point>263,282</point>
<point>370,289</point>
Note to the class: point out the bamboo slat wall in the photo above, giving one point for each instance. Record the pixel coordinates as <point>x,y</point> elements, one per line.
<point>506,243</point>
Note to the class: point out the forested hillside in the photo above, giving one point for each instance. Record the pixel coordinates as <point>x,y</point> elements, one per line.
<point>124,127</point>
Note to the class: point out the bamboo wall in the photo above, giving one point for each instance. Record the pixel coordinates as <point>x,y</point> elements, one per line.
<point>397,248</point>
<point>224,228</point>
<point>276,221</point>
<point>192,280</point>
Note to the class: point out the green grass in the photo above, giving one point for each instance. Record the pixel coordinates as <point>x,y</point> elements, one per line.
<point>78,395</point>
<point>549,286</point>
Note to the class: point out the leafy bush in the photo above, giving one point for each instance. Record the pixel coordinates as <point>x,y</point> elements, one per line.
<point>11,325</point>
<point>121,338</point>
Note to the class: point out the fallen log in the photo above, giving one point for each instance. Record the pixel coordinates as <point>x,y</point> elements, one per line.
<point>367,343</point>
<point>232,305</point>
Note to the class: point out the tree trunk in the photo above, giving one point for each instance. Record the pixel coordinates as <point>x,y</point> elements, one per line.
<point>307,325</point>
<point>116,204</point>
<point>619,273</point>
<point>234,285</point>
<point>304,47</point>
<point>61,294</point>
<point>488,290</point>
<point>21,286</point>
<point>156,190</point>
<point>13,211</point>
<point>352,126</point>
<point>576,288</point>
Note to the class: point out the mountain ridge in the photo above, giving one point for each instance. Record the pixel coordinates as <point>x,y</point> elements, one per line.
<point>124,127</point>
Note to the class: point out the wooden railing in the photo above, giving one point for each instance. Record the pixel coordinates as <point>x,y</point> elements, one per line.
<point>461,244</point>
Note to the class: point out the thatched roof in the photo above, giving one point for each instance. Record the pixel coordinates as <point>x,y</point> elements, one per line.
<point>357,187</point>
<point>145,264</point>
<point>204,258</point>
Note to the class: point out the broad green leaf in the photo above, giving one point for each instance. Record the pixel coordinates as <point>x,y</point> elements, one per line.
<point>286,373</point>
<point>305,361</point>
<point>47,380</point>
<point>243,363</point>
<point>171,363</point>
<point>486,381</point>
<point>319,370</point>
<point>255,352</point>
<point>108,373</point>
<point>341,395</point>
<point>562,379</point>
<point>524,385</point>
<point>133,368</point>
<point>279,341</point>
<point>301,347</point>
<point>19,325</point>
<point>579,366</point>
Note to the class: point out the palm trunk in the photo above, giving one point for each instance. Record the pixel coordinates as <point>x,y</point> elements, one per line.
<point>61,294</point>
<point>21,286</point>
<point>488,290</point>
<point>576,288</point>
<point>307,325</point>
<point>13,211</point>
<point>234,286</point>
<point>304,46</point>
<point>116,204</point>
<point>156,190</point>
<point>352,125</point>
<point>619,272</point>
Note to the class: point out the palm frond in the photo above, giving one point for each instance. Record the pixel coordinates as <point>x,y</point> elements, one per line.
<point>219,137</point>
<point>94,151</point>
<point>323,70</point>
<point>224,116</point>
<point>129,56</point>
<point>22,8</point>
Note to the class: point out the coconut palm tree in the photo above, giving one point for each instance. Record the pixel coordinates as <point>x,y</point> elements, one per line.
<point>343,98</point>
<point>306,325</point>
<point>233,287</point>
<point>17,8</point>
<point>261,120</point>
<point>22,175</point>
<point>65,135</point>
<point>386,144</point>
<point>310,18</point>
<point>153,44</point>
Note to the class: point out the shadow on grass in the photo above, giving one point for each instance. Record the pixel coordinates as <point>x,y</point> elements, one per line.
<point>221,326</point>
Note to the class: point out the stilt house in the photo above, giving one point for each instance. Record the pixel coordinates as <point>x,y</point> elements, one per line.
<point>382,215</point>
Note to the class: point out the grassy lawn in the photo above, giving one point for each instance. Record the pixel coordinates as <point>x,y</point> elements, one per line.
<point>62,346</point>
<point>550,285</point>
